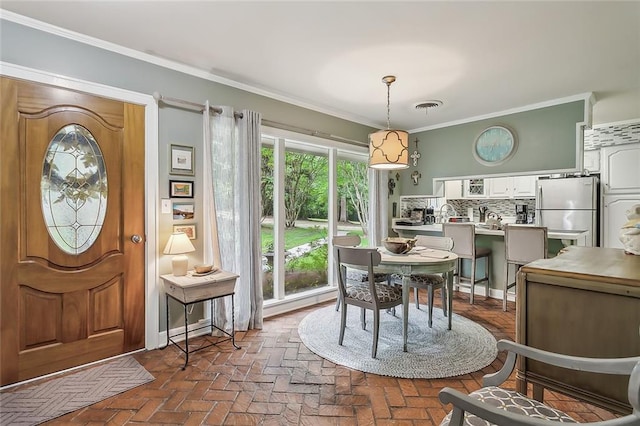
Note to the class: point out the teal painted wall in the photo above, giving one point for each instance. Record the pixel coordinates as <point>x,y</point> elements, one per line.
<point>546,141</point>
<point>39,50</point>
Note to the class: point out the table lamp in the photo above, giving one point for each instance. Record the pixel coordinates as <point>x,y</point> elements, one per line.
<point>179,244</point>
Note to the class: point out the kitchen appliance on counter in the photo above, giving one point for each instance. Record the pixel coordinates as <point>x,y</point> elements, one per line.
<point>521,213</point>
<point>430,217</point>
<point>483,213</point>
<point>569,204</point>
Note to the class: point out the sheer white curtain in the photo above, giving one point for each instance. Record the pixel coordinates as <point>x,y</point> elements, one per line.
<point>378,207</point>
<point>232,210</point>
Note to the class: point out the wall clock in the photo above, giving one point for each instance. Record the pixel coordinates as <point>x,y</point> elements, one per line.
<point>494,146</point>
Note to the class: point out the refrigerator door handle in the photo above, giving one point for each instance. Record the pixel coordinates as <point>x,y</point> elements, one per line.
<point>539,197</point>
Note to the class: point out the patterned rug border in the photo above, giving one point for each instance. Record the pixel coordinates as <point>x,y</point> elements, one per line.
<point>41,402</point>
<point>432,353</point>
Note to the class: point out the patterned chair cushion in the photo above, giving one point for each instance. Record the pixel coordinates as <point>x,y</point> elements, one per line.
<point>513,402</point>
<point>424,279</point>
<point>386,293</point>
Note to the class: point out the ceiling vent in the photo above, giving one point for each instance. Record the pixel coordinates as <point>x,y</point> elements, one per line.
<point>428,104</point>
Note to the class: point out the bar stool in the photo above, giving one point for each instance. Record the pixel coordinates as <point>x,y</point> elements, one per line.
<point>464,245</point>
<point>522,244</point>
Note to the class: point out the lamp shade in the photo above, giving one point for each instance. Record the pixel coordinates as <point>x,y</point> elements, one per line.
<point>178,244</point>
<point>389,150</point>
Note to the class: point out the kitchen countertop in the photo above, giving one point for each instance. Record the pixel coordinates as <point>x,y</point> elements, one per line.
<point>557,235</point>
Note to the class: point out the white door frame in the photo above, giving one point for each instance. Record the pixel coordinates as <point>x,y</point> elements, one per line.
<point>152,293</point>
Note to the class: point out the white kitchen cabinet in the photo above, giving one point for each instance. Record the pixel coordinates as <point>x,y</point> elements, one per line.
<point>512,187</point>
<point>621,169</point>
<point>592,161</point>
<point>524,186</point>
<point>500,187</point>
<point>614,216</point>
<point>453,189</point>
<point>475,188</point>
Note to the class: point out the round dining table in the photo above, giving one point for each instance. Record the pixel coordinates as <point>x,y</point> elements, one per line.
<point>420,260</point>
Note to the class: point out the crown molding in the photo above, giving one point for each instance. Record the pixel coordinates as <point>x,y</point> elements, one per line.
<point>175,66</point>
<point>589,99</point>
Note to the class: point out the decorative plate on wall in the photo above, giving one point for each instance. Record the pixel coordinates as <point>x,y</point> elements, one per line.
<point>494,146</point>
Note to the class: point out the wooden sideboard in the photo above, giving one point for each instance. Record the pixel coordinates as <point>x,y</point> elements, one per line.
<point>583,302</point>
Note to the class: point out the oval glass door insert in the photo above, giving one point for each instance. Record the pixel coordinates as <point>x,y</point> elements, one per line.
<point>74,189</point>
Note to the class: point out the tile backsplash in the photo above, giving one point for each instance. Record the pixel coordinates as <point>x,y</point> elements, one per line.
<point>616,134</point>
<point>503,207</point>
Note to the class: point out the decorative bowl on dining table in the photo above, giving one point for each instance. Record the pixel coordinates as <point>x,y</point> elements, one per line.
<point>398,245</point>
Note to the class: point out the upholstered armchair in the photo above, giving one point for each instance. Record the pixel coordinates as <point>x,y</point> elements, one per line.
<point>494,405</point>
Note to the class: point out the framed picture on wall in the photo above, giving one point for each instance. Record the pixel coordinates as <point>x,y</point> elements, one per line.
<point>190,230</point>
<point>180,189</point>
<point>182,161</point>
<point>183,210</point>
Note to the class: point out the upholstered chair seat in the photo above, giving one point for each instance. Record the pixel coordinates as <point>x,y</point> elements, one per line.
<point>513,402</point>
<point>386,293</point>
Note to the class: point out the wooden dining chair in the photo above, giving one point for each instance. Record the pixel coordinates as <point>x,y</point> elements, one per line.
<point>522,244</point>
<point>354,275</point>
<point>429,282</point>
<point>464,245</point>
<point>365,295</point>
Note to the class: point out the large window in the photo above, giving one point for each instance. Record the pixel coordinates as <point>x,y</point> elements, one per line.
<point>309,192</point>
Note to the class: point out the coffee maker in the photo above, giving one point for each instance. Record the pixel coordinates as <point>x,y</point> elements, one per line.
<point>521,213</point>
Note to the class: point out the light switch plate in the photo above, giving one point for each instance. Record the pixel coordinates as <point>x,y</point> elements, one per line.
<point>166,206</point>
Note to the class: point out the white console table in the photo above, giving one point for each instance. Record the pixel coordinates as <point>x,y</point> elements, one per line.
<point>190,289</point>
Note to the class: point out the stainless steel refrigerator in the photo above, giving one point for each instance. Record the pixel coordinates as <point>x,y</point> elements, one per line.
<point>569,204</point>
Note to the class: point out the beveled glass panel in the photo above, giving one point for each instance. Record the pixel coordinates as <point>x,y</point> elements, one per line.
<point>74,189</point>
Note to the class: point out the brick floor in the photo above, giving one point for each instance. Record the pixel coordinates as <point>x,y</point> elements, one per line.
<point>275,380</point>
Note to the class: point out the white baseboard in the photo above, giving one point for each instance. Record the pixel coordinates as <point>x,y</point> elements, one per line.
<point>494,293</point>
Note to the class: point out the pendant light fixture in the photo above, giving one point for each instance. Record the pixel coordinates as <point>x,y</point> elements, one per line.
<point>389,149</point>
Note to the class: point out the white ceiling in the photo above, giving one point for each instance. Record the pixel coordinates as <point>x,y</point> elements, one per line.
<point>478,57</point>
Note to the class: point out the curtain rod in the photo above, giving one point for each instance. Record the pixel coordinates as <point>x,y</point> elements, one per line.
<point>180,103</point>
<point>316,133</point>
<point>200,107</point>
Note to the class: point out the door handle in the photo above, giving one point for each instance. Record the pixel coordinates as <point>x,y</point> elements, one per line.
<point>136,239</point>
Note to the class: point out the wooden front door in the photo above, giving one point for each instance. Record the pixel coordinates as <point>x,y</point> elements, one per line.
<point>71,229</point>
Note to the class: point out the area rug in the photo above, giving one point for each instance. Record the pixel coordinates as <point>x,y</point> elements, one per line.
<point>42,402</point>
<point>432,352</point>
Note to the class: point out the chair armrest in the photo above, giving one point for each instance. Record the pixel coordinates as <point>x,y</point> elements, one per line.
<point>620,366</point>
<point>464,403</point>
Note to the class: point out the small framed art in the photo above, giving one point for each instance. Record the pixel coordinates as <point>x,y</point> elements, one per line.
<point>190,230</point>
<point>182,161</point>
<point>183,210</point>
<point>180,189</point>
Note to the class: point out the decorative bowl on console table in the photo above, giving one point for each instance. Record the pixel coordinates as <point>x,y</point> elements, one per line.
<point>398,245</point>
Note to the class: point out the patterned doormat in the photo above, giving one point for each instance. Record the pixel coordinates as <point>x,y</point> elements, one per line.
<point>41,402</point>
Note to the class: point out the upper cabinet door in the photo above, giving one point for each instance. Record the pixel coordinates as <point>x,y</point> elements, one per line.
<point>512,187</point>
<point>524,186</point>
<point>621,169</point>
<point>500,187</point>
<point>475,188</point>
<point>453,189</point>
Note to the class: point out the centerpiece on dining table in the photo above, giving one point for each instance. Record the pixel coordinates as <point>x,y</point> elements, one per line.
<point>399,245</point>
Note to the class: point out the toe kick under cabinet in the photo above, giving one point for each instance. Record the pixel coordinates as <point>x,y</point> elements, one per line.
<point>583,302</point>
